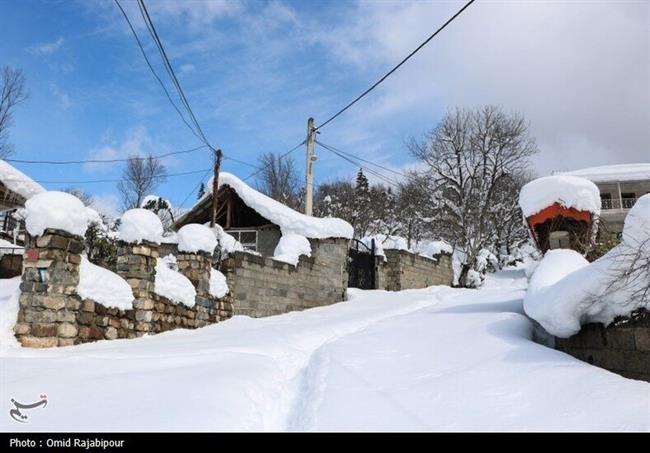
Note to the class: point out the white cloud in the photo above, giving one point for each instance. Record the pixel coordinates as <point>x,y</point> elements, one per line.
<point>185,68</point>
<point>196,12</point>
<point>63,99</point>
<point>137,142</point>
<point>578,71</point>
<point>107,204</point>
<point>46,48</point>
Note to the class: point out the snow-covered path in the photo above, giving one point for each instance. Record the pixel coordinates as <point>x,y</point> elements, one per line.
<point>434,359</point>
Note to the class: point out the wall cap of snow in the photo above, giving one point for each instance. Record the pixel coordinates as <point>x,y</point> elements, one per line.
<point>195,237</point>
<point>140,224</point>
<point>58,211</point>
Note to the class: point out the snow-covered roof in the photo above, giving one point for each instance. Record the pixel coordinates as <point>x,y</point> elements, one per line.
<point>568,191</point>
<point>17,181</point>
<point>613,173</point>
<point>289,220</point>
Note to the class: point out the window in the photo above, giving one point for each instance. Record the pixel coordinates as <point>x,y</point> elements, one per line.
<point>606,200</point>
<point>559,240</point>
<point>247,238</point>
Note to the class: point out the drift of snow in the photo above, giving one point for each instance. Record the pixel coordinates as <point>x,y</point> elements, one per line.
<point>436,359</point>
<point>568,191</point>
<point>218,284</point>
<point>17,181</point>
<point>289,220</point>
<point>194,237</point>
<point>58,210</point>
<point>140,224</point>
<point>613,173</point>
<point>227,243</point>
<point>103,286</point>
<point>433,248</point>
<point>172,284</point>
<point>425,247</point>
<point>290,247</point>
<point>9,295</point>
<point>566,291</point>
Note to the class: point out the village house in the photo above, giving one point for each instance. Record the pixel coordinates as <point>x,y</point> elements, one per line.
<point>286,260</point>
<point>620,187</point>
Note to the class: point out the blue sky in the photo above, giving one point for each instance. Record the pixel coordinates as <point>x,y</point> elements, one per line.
<point>254,71</point>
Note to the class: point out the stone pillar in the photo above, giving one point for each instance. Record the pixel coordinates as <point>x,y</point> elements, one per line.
<point>48,300</point>
<point>196,267</point>
<point>136,263</point>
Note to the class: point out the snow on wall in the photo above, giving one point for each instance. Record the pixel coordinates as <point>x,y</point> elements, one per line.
<point>568,191</point>
<point>566,291</point>
<point>289,220</point>
<point>172,284</point>
<point>58,210</point>
<point>218,285</point>
<point>103,286</point>
<point>195,237</point>
<point>16,181</point>
<point>140,224</point>
<point>613,173</point>
<point>290,247</point>
<point>425,247</point>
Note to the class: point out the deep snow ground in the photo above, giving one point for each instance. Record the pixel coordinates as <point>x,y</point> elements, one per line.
<point>433,359</point>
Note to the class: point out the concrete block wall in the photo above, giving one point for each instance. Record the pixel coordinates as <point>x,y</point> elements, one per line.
<point>405,270</point>
<point>262,286</point>
<point>623,347</point>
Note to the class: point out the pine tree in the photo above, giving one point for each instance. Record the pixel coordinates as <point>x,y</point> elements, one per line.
<point>201,192</point>
<point>362,213</point>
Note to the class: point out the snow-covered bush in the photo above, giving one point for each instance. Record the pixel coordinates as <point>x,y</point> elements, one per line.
<point>57,210</point>
<point>195,237</point>
<point>567,291</point>
<point>140,224</point>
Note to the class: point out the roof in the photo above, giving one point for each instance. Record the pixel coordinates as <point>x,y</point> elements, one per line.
<point>18,182</point>
<point>613,173</point>
<point>289,220</point>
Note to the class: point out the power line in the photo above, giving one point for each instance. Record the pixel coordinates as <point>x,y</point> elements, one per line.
<point>279,158</point>
<point>195,188</point>
<point>153,71</point>
<point>97,181</point>
<point>363,160</point>
<point>358,98</point>
<point>102,161</point>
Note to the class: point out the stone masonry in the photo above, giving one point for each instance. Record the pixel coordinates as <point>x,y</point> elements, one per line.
<point>52,314</point>
<point>48,300</point>
<point>263,287</point>
<point>623,347</point>
<point>406,270</point>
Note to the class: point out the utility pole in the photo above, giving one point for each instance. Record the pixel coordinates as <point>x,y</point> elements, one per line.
<point>215,185</point>
<point>309,173</point>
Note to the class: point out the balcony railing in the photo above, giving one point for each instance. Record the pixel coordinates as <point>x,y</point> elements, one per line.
<point>616,203</point>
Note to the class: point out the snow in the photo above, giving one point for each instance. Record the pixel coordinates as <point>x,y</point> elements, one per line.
<point>218,285</point>
<point>58,210</point>
<point>18,182</point>
<point>103,286</point>
<point>9,295</point>
<point>290,247</point>
<point>172,284</point>
<point>566,291</point>
<point>289,220</point>
<point>613,173</point>
<point>227,243</point>
<point>436,359</point>
<point>140,224</point>
<point>194,237</point>
<point>425,247</point>
<point>568,191</point>
<point>433,248</point>
<point>4,244</point>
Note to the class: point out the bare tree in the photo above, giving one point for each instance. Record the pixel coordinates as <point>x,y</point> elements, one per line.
<point>468,156</point>
<point>139,179</point>
<point>280,179</point>
<point>12,93</point>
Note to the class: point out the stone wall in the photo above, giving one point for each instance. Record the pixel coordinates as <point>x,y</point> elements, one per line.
<point>405,270</point>
<point>623,347</point>
<point>263,287</point>
<point>52,314</point>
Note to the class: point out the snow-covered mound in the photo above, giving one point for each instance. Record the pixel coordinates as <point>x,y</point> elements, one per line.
<point>612,173</point>
<point>58,210</point>
<point>425,247</point>
<point>290,247</point>
<point>566,291</point>
<point>227,242</point>
<point>432,248</point>
<point>568,191</point>
<point>194,237</point>
<point>140,224</point>
<point>103,286</point>
<point>218,285</point>
<point>9,296</point>
<point>17,181</point>
<point>289,220</point>
<point>172,284</point>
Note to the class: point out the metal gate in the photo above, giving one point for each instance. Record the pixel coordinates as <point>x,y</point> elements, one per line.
<point>361,265</point>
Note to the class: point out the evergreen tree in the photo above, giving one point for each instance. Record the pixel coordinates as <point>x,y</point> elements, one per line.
<point>201,192</point>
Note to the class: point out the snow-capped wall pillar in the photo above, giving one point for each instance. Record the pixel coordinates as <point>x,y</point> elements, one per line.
<point>136,263</point>
<point>49,302</point>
